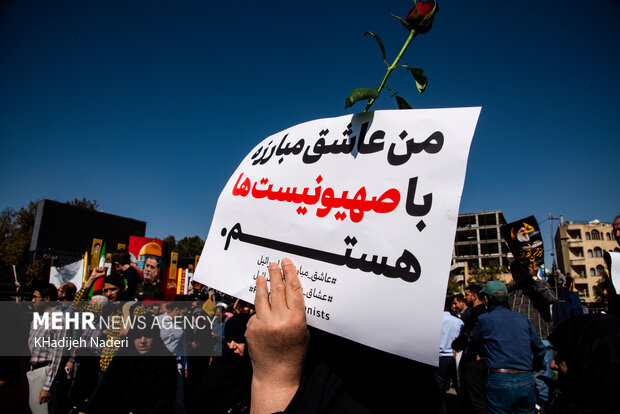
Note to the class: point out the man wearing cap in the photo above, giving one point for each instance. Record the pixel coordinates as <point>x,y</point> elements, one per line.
<point>512,350</point>
<point>532,297</point>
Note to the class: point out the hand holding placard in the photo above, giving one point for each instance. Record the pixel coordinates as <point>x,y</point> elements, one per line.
<point>277,339</point>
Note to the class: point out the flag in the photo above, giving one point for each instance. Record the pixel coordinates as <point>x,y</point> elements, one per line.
<point>71,273</point>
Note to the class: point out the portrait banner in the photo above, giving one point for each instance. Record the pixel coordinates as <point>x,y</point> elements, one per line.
<point>524,240</point>
<point>366,207</point>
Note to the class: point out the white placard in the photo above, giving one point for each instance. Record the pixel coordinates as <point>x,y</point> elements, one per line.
<point>71,273</point>
<point>612,260</point>
<point>366,207</point>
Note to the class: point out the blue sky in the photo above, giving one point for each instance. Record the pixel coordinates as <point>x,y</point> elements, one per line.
<point>149,106</point>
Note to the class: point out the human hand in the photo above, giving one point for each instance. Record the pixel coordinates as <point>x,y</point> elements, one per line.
<point>277,337</point>
<point>96,273</point>
<point>44,396</point>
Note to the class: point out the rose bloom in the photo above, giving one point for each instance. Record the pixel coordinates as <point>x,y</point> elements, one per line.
<point>419,18</point>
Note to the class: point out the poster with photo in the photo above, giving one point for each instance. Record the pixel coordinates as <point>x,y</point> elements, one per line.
<point>524,240</point>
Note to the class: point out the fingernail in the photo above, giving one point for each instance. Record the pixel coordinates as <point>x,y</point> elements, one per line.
<point>286,261</point>
<point>272,266</point>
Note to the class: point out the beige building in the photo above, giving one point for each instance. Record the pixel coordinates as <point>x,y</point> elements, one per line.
<point>478,240</point>
<point>478,243</point>
<point>580,248</point>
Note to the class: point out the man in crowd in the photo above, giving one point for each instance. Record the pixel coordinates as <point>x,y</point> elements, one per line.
<point>172,332</point>
<point>45,359</point>
<point>472,369</point>
<point>450,329</point>
<point>568,303</point>
<point>512,350</point>
<point>611,297</point>
<point>460,308</point>
<point>121,265</point>
<point>114,289</point>
<point>66,292</point>
<point>532,297</point>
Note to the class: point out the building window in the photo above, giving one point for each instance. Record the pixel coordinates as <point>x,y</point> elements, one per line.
<point>600,270</point>
<point>487,220</point>
<point>488,234</point>
<point>590,253</point>
<point>579,271</point>
<point>592,272</point>
<point>583,290</point>
<point>596,235</point>
<point>608,236</point>
<point>587,235</point>
<point>598,252</point>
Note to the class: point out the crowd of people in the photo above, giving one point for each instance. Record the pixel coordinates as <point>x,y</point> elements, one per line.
<point>521,349</point>
<point>186,369</point>
<point>510,341</point>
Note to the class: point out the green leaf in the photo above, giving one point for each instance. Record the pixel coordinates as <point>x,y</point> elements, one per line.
<point>403,22</point>
<point>421,81</point>
<point>402,102</point>
<point>378,39</point>
<point>360,94</point>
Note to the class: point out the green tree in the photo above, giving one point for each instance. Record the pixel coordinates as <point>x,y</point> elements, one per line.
<point>16,234</point>
<point>598,290</point>
<point>454,286</point>
<point>84,203</point>
<point>190,247</point>
<point>482,276</point>
<point>170,245</point>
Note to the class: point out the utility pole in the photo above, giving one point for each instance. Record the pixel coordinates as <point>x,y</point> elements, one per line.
<point>555,265</point>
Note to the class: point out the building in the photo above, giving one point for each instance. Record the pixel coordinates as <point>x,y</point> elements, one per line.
<point>580,248</point>
<point>479,244</point>
<point>478,241</point>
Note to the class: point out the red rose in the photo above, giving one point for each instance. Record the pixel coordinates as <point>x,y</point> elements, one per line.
<point>421,16</point>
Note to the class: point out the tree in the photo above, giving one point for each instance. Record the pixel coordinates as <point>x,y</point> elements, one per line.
<point>84,203</point>
<point>170,245</point>
<point>482,276</point>
<point>454,286</point>
<point>190,247</point>
<point>598,290</point>
<point>187,248</point>
<point>16,234</point>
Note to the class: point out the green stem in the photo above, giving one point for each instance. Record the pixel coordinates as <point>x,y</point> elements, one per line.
<point>392,67</point>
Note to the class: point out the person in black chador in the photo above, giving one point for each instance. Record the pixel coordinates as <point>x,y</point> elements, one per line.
<point>141,378</point>
<point>307,371</point>
<point>226,385</point>
<point>588,363</point>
